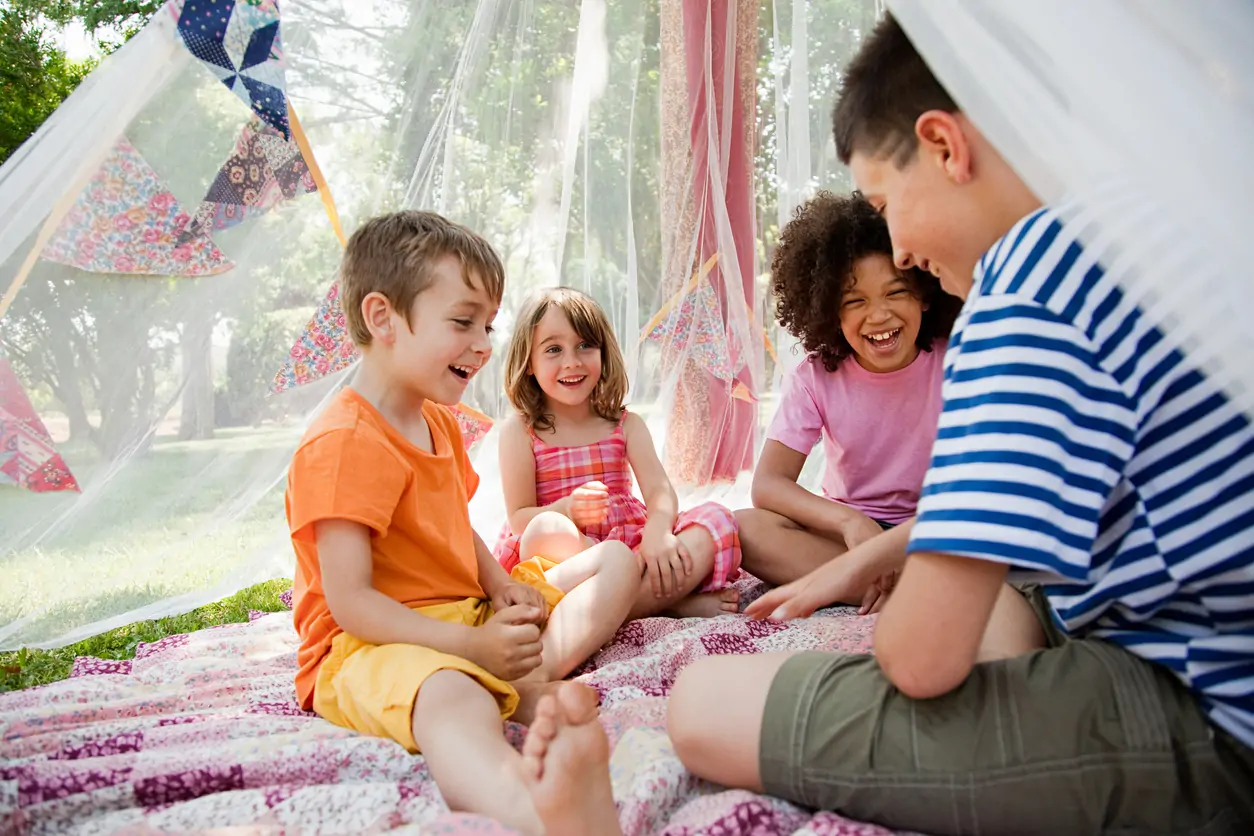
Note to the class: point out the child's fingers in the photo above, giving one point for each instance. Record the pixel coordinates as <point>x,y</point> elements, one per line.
<point>764,606</point>
<point>519,614</point>
<point>668,564</point>
<point>526,651</point>
<point>522,635</point>
<point>655,577</point>
<point>686,557</point>
<point>870,600</point>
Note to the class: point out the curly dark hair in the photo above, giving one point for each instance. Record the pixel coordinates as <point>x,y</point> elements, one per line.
<point>813,268</point>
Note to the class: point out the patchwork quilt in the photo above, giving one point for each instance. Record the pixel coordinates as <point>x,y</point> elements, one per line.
<point>202,732</point>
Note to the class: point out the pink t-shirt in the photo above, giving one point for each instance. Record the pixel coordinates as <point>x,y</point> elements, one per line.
<point>877,429</point>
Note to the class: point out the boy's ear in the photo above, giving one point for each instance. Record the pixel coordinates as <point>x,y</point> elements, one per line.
<point>376,310</point>
<point>943,141</point>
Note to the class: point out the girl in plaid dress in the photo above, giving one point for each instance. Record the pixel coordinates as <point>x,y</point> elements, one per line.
<point>564,463</point>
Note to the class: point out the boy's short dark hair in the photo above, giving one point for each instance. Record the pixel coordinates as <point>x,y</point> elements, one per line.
<point>885,89</point>
<point>392,254</point>
<point>813,268</point>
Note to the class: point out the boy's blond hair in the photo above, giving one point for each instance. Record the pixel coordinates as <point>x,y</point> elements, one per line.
<point>593,326</point>
<point>392,254</point>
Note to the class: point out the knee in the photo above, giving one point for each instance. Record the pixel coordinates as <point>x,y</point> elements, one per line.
<point>749,521</point>
<point>689,711</point>
<point>615,558</point>
<point>548,523</point>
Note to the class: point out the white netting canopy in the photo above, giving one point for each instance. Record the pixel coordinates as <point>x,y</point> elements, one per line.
<point>169,238</point>
<point>169,241</point>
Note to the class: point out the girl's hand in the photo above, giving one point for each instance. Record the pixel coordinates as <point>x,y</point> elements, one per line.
<point>665,560</point>
<point>877,593</point>
<point>798,599</point>
<point>589,504</point>
<point>858,528</point>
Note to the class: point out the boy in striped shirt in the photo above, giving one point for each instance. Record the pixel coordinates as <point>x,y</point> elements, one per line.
<point>1080,450</point>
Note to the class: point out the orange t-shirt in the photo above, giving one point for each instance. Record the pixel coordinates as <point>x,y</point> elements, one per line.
<point>353,465</point>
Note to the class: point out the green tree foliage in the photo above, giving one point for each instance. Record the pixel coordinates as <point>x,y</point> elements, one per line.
<point>35,76</point>
<point>460,107</point>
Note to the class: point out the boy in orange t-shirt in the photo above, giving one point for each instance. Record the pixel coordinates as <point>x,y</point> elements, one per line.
<point>409,628</point>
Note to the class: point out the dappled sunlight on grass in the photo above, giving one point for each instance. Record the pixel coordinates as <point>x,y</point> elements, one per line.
<point>180,517</point>
<point>24,668</point>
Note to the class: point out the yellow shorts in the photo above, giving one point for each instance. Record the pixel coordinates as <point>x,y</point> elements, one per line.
<point>372,688</point>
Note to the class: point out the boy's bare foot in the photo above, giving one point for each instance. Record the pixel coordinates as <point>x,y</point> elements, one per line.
<point>566,765</point>
<point>708,604</point>
<point>529,694</point>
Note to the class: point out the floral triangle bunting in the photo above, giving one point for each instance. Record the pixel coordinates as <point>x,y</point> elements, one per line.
<point>127,221</point>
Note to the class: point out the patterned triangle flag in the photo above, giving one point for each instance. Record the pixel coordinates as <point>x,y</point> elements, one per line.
<point>127,221</point>
<point>28,458</point>
<point>323,348</point>
<point>263,170</point>
<point>240,43</point>
<point>744,393</point>
<point>694,328</point>
<point>475,425</point>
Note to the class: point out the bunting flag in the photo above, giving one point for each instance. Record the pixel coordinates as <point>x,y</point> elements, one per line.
<point>694,329</point>
<point>263,170</point>
<point>323,348</point>
<point>127,221</point>
<point>28,458</point>
<point>744,393</point>
<point>475,425</point>
<point>239,41</point>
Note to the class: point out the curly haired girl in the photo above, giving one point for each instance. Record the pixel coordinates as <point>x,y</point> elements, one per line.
<point>869,386</point>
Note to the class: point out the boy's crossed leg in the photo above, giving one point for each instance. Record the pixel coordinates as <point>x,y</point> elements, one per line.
<point>560,786</point>
<point>457,722</point>
<point>1059,740</point>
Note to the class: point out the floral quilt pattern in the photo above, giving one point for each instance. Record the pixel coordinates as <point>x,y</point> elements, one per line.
<point>203,732</point>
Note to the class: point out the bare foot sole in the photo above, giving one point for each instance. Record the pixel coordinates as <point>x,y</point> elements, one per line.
<point>529,695</point>
<point>708,604</point>
<point>566,765</point>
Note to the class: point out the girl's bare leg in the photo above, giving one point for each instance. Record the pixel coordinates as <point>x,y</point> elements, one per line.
<point>681,601</point>
<point>778,550</point>
<point>553,536</point>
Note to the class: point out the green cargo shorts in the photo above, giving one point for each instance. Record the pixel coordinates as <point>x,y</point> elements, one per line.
<point>1080,737</point>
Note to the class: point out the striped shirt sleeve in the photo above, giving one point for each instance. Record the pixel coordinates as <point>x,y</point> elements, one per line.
<point>1034,436</point>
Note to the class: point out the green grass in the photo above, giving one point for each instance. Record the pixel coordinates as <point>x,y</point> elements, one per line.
<point>181,517</point>
<point>25,668</point>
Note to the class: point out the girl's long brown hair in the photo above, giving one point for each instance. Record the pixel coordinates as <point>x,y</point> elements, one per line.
<point>593,327</point>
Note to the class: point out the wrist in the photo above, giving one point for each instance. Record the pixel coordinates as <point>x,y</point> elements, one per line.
<point>494,582</point>
<point>659,523</point>
<point>466,643</point>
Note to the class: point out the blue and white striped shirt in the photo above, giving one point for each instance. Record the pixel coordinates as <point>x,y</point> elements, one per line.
<point>1078,445</point>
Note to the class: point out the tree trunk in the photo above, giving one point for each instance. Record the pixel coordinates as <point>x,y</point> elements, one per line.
<point>196,348</point>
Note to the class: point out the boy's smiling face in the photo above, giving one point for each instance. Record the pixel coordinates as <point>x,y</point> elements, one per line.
<point>916,202</point>
<point>933,204</point>
<point>448,337</point>
<point>950,201</point>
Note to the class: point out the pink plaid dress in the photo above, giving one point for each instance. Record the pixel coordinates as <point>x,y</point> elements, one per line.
<point>559,470</point>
